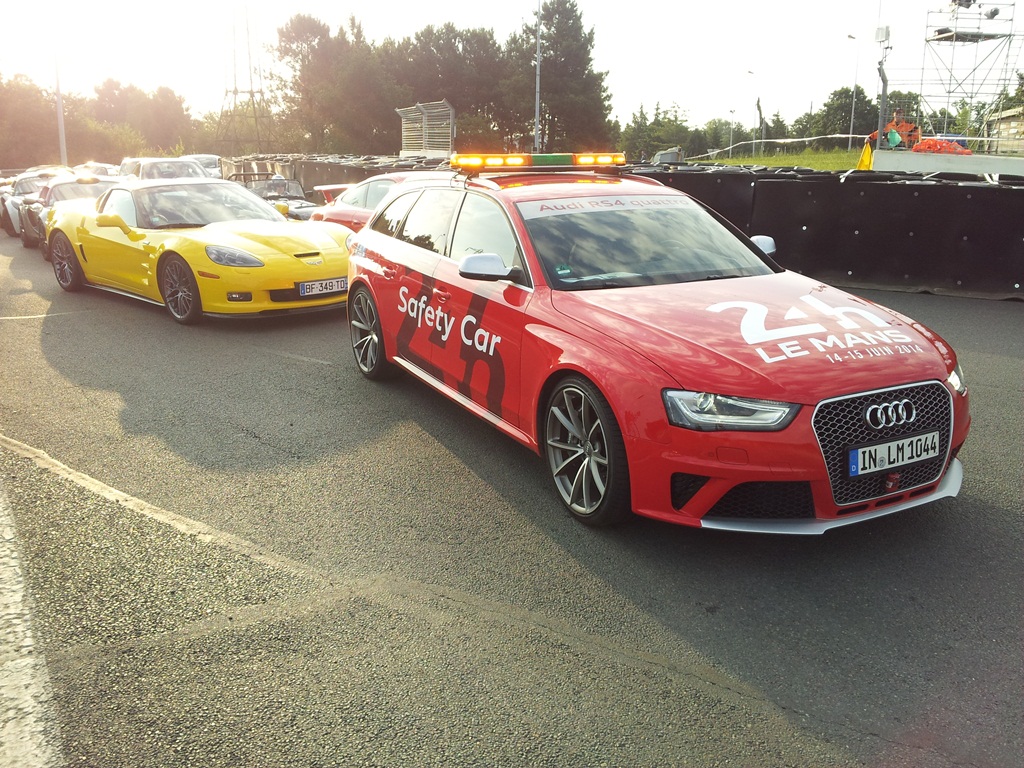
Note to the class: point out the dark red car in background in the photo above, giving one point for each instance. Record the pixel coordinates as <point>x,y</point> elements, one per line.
<point>356,204</point>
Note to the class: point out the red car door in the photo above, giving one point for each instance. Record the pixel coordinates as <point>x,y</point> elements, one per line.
<point>480,357</point>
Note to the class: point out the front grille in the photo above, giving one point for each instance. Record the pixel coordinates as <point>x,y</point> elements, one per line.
<point>840,425</point>
<point>766,501</point>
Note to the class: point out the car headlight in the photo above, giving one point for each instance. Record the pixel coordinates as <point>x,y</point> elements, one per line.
<point>956,380</point>
<point>707,412</point>
<point>231,257</point>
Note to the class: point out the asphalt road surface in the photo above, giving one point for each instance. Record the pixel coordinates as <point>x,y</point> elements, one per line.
<point>222,547</point>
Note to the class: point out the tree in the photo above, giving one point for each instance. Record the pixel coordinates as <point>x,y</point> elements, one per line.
<point>833,119</point>
<point>363,118</point>
<point>636,137</point>
<point>574,102</point>
<point>28,125</point>
<point>474,66</point>
<point>166,124</point>
<point>643,138</point>
<point>306,47</point>
<point>515,100</point>
<point>574,99</point>
<point>717,132</point>
<point>116,103</point>
<point>461,66</point>
<point>668,129</point>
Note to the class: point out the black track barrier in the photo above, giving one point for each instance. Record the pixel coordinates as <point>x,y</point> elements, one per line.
<point>895,231</point>
<point>729,190</point>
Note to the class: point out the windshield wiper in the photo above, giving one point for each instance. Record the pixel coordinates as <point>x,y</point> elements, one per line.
<point>610,282</point>
<point>604,280</point>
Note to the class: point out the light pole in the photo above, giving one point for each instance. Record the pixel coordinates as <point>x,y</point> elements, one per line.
<point>853,95</point>
<point>732,122</point>
<point>753,151</point>
<point>536,107</point>
<point>60,120</point>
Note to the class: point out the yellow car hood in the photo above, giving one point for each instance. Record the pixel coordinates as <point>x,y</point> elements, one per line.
<point>265,238</point>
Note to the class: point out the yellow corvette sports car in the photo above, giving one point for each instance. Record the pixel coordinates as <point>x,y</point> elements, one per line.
<point>198,247</point>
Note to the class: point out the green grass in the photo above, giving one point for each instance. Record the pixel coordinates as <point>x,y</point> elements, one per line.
<point>833,160</point>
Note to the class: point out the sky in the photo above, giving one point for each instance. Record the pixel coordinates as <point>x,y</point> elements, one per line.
<point>703,59</point>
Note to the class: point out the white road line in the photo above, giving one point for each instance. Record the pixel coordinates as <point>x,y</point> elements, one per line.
<point>27,733</point>
<point>301,358</point>
<point>40,317</point>
<point>28,730</point>
<point>201,531</point>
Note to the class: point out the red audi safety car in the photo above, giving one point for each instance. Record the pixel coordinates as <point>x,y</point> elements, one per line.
<point>658,360</point>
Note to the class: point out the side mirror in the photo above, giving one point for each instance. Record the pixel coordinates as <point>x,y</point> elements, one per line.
<point>112,220</point>
<point>115,220</point>
<point>282,207</point>
<point>487,266</point>
<point>765,243</point>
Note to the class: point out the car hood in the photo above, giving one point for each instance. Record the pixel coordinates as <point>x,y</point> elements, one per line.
<point>270,237</point>
<point>781,336</point>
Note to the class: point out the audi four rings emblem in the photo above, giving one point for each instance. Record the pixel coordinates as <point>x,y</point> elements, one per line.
<point>890,414</point>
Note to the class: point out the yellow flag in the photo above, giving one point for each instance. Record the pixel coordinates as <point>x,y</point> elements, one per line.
<point>866,158</point>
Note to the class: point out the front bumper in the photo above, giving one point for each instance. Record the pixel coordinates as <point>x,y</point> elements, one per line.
<point>793,481</point>
<point>949,486</point>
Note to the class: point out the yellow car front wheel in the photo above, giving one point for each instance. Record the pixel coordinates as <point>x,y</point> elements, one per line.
<point>179,290</point>
<point>66,268</point>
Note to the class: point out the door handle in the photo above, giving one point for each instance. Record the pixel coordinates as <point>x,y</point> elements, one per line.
<point>442,296</point>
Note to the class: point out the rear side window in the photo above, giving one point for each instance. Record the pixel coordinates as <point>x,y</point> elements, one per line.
<point>430,219</point>
<point>355,196</point>
<point>376,190</point>
<point>390,219</point>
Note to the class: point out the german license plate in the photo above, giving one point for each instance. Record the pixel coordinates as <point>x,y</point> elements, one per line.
<point>878,458</point>
<point>317,287</point>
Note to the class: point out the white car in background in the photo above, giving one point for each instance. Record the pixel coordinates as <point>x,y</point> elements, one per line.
<point>27,183</point>
<point>210,162</point>
<point>162,168</point>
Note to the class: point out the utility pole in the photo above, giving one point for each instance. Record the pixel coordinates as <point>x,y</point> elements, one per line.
<point>536,107</point>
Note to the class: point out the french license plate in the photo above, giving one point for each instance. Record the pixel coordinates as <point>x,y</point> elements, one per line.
<point>878,458</point>
<point>316,287</point>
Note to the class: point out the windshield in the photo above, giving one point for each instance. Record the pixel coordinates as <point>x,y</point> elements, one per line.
<point>196,205</point>
<point>625,240</point>
<point>28,186</point>
<point>75,190</point>
<point>170,169</point>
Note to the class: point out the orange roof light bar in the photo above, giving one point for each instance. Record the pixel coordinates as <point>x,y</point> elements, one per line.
<point>563,160</point>
<point>599,158</point>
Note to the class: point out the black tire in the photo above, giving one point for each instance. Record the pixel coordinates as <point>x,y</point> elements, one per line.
<point>8,225</point>
<point>585,453</point>
<point>66,268</point>
<point>179,290</point>
<point>367,336</point>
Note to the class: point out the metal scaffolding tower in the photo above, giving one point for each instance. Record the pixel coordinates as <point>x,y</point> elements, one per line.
<point>969,68</point>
